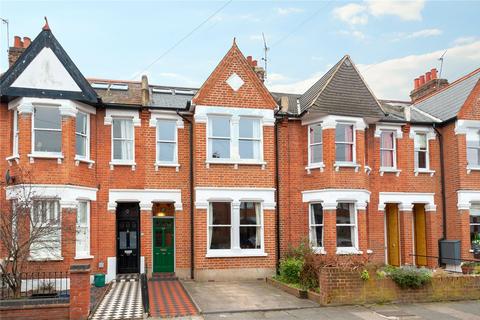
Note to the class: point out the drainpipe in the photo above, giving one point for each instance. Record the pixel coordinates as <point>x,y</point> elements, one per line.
<point>192,225</point>
<point>278,121</point>
<point>442,181</point>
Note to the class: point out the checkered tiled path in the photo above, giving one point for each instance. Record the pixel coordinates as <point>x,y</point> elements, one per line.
<point>168,298</point>
<point>124,301</point>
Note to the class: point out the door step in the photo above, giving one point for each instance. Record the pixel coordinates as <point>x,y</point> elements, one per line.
<point>164,276</point>
<point>125,277</point>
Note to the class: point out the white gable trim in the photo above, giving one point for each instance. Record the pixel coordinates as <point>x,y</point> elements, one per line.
<point>67,107</point>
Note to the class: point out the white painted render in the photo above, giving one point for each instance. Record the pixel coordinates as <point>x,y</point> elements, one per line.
<point>204,195</point>
<point>331,197</point>
<point>145,197</point>
<point>406,200</point>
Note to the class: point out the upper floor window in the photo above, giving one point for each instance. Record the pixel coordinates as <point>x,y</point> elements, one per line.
<point>47,130</point>
<point>421,151</point>
<point>249,138</point>
<point>219,137</point>
<point>83,229</point>
<point>388,149</point>
<point>315,142</point>
<point>82,135</point>
<point>344,142</point>
<point>15,133</point>
<point>122,140</point>
<point>346,225</point>
<point>473,147</point>
<point>316,225</point>
<point>166,141</point>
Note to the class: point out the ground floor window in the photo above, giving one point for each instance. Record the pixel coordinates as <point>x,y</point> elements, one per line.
<point>235,227</point>
<point>475,226</point>
<point>316,225</point>
<point>346,225</point>
<point>45,230</point>
<point>83,229</point>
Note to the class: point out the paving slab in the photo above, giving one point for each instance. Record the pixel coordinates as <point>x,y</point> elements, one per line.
<point>237,296</point>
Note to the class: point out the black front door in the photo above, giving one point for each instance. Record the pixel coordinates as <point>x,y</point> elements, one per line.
<point>128,242</point>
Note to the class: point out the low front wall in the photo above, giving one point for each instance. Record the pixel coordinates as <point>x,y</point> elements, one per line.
<point>36,311</point>
<point>345,287</point>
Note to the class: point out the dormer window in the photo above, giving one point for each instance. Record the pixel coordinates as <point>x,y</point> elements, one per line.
<point>47,130</point>
<point>344,143</point>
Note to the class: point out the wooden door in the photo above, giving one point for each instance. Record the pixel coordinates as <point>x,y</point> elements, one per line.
<point>420,235</point>
<point>393,238</point>
<point>163,245</point>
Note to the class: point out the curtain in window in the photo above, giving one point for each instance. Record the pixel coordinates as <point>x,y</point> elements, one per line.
<point>349,147</point>
<point>386,145</point>
<point>258,213</point>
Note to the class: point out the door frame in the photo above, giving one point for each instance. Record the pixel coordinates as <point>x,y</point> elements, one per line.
<point>139,233</point>
<point>174,242</point>
<point>386,232</point>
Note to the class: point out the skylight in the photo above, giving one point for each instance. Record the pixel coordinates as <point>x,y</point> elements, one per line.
<point>162,90</point>
<point>186,92</point>
<point>119,86</point>
<point>100,85</point>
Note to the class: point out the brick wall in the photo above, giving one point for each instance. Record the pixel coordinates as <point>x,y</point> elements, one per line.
<point>39,312</point>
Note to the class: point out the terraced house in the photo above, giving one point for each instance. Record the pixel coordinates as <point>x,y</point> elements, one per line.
<point>217,182</point>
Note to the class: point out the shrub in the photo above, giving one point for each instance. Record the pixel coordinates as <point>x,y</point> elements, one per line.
<point>309,273</point>
<point>290,269</point>
<point>365,276</point>
<point>301,251</point>
<point>410,277</point>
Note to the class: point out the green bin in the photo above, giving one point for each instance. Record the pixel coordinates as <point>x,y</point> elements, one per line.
<point>99,280</point>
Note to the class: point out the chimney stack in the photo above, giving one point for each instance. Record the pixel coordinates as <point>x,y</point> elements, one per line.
<point>284,104</point>
<point>426,84</point>
<point>18,48</point>
<point>256,68</point>
<point>145,91</point>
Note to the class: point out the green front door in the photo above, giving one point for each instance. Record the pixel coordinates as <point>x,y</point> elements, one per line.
<point>163,245</point>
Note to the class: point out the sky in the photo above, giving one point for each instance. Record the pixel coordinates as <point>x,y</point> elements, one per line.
<point>180,43</point>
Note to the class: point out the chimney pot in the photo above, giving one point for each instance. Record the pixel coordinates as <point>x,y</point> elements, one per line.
<point>254,63</point>
<point>249,60</point>
<point>17,42</point>
<point>422,80</point>
<point>26,42</point>
<point>434,73</point>
<point>416,83</point>
<point>428,76</point>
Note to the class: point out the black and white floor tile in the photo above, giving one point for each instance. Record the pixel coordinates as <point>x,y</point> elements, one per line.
<point>124,301</point>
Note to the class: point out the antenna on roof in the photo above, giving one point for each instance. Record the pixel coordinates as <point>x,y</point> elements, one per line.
<point>441,63</point>
<point>5,21</point>
<point>265,51</point>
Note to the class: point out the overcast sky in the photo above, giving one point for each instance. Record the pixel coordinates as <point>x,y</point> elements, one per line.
<point>391,42</point>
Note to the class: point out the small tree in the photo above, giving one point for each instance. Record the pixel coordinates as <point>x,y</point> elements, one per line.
<point>30,227</point>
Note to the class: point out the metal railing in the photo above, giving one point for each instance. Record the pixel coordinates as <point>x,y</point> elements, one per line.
<point>35,285</point>
<point>144,287</point>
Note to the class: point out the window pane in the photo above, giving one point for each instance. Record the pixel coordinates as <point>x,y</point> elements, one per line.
<point>220,127</point>
<point>421,159</point>
<point>316,153</point>
<point>344,152</point>
<point>344,213</point>
<point>473,156</point>
<point>219,237</point>
<point>316,134</point>
<point>48,141</point>
<point>81,145</point>
<point>317,213</point>
<point>82,214</point>
<point>220,213</point>
<point>386,140</point>
<point>249,149</point>
<point>166,151</point>
<point>345,237</point>
<point>317,236</point>
<point>386,158</point>
<point>122,150</point>
<point>48,118</point>
<point>249,128</point>
<point>420,141</point>
<point>220,149</point>
<point>123,129</point>
<point>166,130</point>
<point>81,123</point>
<point>249,212</point>
<point>473,138</point>
<point>344,132</point>
<point>250,238</point>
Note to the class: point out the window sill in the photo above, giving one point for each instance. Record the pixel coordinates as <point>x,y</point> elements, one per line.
<point>347,251</point>
<point>15,158</point>
<point>88,161</point>
<point>167,165</point>
<point>471,250</point>
<point>425,171</point>
<point>470,169</point>
<point>118,163</point>
<point>319,250</point>
<point>314,166</point>
<point>338,165</point>
<point>389,170</point>
<point>368,170</point>
<point>40,259</point>
<point>235,253</point>
<point>83,257</point>
<point>235,163</point>
<point>33,156</point>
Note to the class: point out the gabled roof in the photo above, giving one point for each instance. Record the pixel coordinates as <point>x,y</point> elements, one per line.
<point>342,91</point>
<point>45,70</point>
<point>447,102</point>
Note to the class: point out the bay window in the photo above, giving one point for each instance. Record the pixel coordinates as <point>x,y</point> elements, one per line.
<point>421,151</point>
<point>316,225</point>
<point>249,138</point>
<point>346,225</point>
<point>219,137</point>
<point>475,225</point>
<point>388,150</point>
<point>45,230</point>
<point>315,142</point>
<point>47,130</point>
<point>166,141</point>
<point>83,230</point>
<point>122,141</point>
<point>220,225</point>
<point>82,139</point>
<point>250,225</point>
<point>344,143</point>
<point>473,147</point>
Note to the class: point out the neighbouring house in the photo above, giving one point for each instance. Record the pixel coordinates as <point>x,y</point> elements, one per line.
<point>217,182</point>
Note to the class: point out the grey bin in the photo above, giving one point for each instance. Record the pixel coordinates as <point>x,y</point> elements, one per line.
<point>450,252</point>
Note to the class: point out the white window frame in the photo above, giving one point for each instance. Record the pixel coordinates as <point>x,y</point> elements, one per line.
<point>311,225</point>
<point>312,144</point>
<point>211,137</point>
<point>355,247</point>
<point>79,254</point>
<point>86,136</point>
<point>472,205</point>
<point>50,255</point>
<point>235,250</point>
<point>47,154</point>
<point>477,132</point>
<point>394,149</point>
<point>16,133</point>
<point>259,139</point>
<point>157,142</point>
<point>122,161</point>
<point>417,150</point>
<point>353,143</point>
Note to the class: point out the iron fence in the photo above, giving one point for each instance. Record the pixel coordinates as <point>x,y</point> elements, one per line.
<point>34,285</point>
